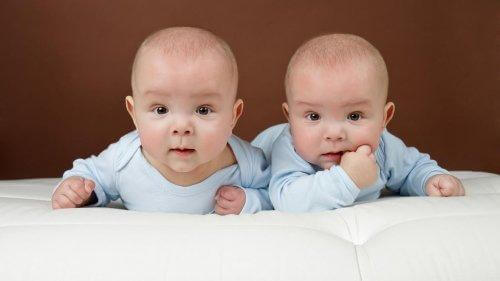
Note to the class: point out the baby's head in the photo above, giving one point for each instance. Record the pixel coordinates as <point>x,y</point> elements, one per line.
<point>336,89</point>
<point>184,106</point>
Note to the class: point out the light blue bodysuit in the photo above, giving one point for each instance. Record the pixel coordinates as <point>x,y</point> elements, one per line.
<point>121,171</point>
<point>298,186</point>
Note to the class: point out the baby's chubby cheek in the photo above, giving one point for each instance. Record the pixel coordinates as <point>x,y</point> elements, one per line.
<point>151,142</point>
<point>364,136</point>
<point>306,147</point>
<point>211,140</point>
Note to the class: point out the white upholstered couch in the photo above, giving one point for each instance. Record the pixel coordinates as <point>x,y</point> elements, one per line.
<point>393,238</point>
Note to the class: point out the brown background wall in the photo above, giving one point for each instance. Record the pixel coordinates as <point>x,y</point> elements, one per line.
<point>65,67</point>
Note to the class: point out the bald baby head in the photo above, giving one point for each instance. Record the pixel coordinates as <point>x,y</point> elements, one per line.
<point>335,52</point>
<point>188,43</point>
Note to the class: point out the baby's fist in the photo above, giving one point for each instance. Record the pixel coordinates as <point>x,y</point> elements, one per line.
<point>444,185</point>
<point>229,200</point>
<point>73,192</point>
<point>361,166</point>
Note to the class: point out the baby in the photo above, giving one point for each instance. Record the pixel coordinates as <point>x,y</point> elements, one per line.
<point>184,107</point>
<point>335,150</point>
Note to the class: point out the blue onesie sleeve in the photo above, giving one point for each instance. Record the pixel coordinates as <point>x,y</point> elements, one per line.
<point>257,197</point>
<point>296,186</point>
<point>255,175</point>
<point>405,168</point>
<point>102,170</point>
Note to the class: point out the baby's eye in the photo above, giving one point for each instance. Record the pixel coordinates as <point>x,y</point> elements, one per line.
<point>203,110</point>
<point>161,110</point>
<point>313,116</point>
<point>354,116</point>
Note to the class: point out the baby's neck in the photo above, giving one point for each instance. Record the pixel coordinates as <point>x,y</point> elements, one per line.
<point>226,158</point>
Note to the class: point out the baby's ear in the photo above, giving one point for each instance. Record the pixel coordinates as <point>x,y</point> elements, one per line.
<point>389,110</point>
<point>284,107</point>
<point>129,104</point>
<point>237,111</point>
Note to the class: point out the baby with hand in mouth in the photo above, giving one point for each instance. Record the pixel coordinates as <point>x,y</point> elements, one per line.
<point>336,149</point>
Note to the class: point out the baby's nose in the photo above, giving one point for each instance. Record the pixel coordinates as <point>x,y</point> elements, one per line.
<point>179,131</point>
<point>335,133</point>
<point>181,127</point>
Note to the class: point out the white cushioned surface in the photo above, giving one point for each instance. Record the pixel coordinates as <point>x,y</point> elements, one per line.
<point>393,238</point>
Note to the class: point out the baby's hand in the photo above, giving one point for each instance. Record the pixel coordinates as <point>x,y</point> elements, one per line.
<point>360,166</point>
<point>73,192</point>
<point>444,185</point>
<point>229,200</point>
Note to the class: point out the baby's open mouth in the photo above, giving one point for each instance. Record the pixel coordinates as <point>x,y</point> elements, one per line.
<point>182,151</point>
<point>333,156</point>
<point>333,153</point>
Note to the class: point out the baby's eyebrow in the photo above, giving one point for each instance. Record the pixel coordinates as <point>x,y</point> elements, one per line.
<point>153,93</point>
<point>208,95</point>
<point>345,104</point>
<point>356,103</point>
<point>306,103</point>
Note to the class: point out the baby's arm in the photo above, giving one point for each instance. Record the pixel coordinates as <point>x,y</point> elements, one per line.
<point>95,172</point>
<point>252,195</point>
<point>408,171</point>
<point>296,187</point>
<point>233,200</point>
<point>256,185</point>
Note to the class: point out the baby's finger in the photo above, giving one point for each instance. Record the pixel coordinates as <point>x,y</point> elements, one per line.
<point>364,149</point>
<point>221,211</point>
<point>55,205</point>
<point>220,190</point>
<point>224,203</point>
<point>446,186</point>
<point>73,196</point>
<point>217,193</point>
<point>79,190</point>
<point>461,191</point>
<point>433,191</point>
<point>89,186</point>
<point>229,193</point>
<point>446,192</point>
<point>458,189</point>
<point>64,202</point>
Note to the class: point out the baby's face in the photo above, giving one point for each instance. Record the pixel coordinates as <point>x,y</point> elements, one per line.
<point>184,109</point>
<point>334,112</point>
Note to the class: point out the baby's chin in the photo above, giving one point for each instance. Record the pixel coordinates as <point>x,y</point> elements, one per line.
<point>183,168</point>
<point>327,165</point>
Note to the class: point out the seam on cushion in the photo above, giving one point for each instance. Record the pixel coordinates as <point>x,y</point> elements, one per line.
<point>357,262</point>
<point>421,219</point>
<point>355,246</point>
<point>278,225</point>
<point>346,226</point>
<point>173,225</point>
<point>267,225</point>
